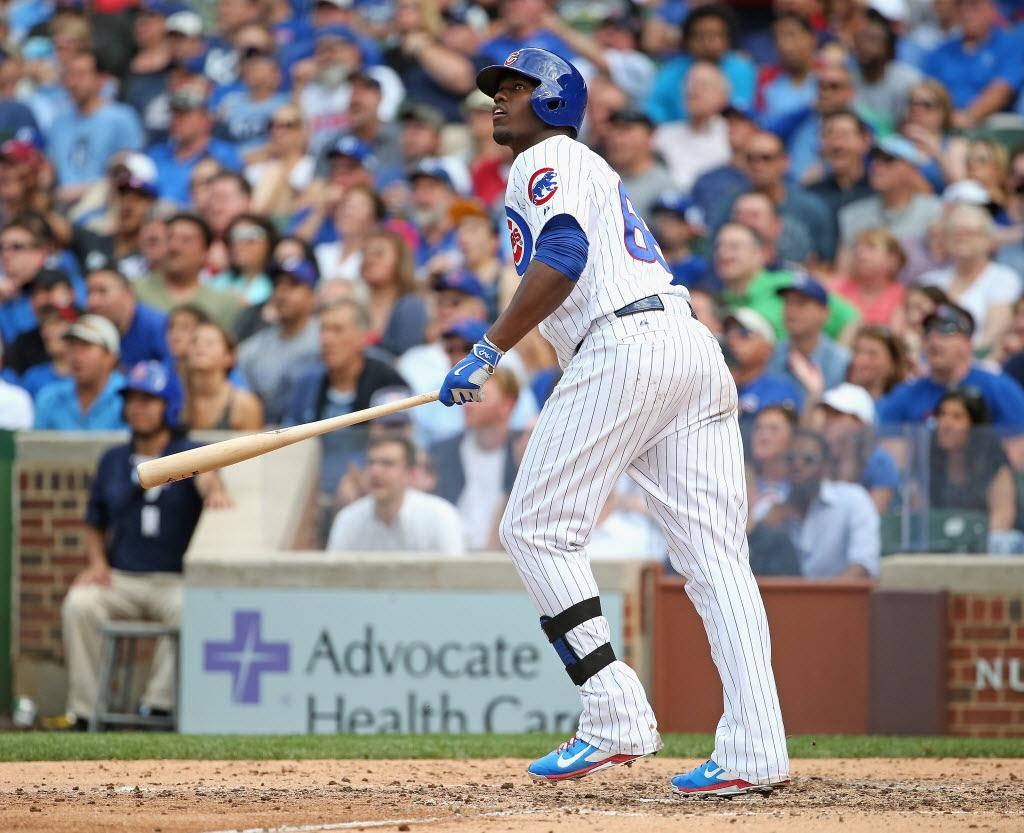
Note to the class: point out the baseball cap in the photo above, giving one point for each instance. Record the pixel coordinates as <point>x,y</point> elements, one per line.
<point>807,286</point>
<point>968,191</point>
<point>434,170</point>
<point>38,48</point>
<point>851,399</point>
<point>898,147</point>
<point>460,281</point>
<point>951,319</point>
<point>895,11</point>
<point>188,98</point>
<point>337,32</point>
<point>353,148</point>
<point>631,115</point>
<point>468,329</point>
<point>163,8</point>
<point>676,202</point>
<point>361,76</point>
<point>732,111</point>
<point>46,278</point>
<point>25,145</point>
<point>751,320</point>
<point>135,172</point>
<point>185,23</point>
<point>95,329</point>
<point>148,377</point>
<point>296,268</point>
<point>421,113</point>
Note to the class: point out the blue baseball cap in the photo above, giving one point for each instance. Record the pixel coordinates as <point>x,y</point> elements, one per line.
<point>38,48</point>
<point>897,147</point>
<point>353,148</point>
<point>338,32</point>
<point>163,8</point>
<point>152,378</point>
<point>807,286</point>
<point>468,329</point>
<point>460,281</point>
<point>435,170</point>
<point>673,201</point>
<point>298,269</point>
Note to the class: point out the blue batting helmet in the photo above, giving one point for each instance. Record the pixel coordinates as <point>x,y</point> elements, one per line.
<point>560,99</point>
<point>154,378</point>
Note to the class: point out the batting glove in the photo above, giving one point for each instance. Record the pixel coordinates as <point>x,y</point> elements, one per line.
<point>464,381</point>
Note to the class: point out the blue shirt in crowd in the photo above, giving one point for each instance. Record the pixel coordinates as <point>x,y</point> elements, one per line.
<point>81,146</point>
<point>58,409</point>
<point>915,401</point>
<point>144,339</point>
<point>666,99</point>
<point>966,74</point>
<point>148,530</point>
<point>173,174</point>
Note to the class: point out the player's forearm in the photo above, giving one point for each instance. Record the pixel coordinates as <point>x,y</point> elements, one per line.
<point>541,292</point>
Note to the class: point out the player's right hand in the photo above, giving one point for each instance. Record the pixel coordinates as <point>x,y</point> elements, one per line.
<point>464,381</point>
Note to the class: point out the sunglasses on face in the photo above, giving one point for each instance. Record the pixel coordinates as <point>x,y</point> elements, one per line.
<point>925,103</point>
<point>285,125</point>
<point>762,157</point>
<point>946,328</point>
<point>833,85</point>
<point>805,459</point>
<point>242,233</point>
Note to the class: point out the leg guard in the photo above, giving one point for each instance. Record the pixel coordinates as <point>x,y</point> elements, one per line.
<point>580,669</point>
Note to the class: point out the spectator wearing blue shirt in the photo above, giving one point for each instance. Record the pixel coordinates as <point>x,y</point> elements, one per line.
<point>523,24</point>
<point>244,113</point>
<point>713,192</point>
<point>791,85</point>
<point>26,244</point>
<point>89,400</point>
<point>190,142</point>
<point>846,418</point>
<point>707,36</point>
<point>135,541</point>
<point>980,67</point>
<point>749,342</point>
<point>677,223</point>
<point>81,143</point>
<point>431,201</point>
<point>141,327</point>
<point>947,346</point>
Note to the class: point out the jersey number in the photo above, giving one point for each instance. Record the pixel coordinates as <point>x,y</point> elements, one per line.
<point>640,243</point>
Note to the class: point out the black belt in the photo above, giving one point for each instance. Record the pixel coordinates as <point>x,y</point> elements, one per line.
<point>652,303</point>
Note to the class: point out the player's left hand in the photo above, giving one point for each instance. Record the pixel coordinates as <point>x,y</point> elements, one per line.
<point>464,381</point>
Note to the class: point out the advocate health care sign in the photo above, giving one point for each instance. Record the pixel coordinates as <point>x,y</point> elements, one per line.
<point>365,661</point>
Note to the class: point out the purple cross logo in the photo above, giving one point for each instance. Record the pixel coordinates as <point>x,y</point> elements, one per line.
<point>246,656</point>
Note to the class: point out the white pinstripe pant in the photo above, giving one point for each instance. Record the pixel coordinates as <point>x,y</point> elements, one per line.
<point>650,394</point>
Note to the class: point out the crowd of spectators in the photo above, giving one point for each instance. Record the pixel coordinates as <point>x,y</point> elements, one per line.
<point>295,208</point>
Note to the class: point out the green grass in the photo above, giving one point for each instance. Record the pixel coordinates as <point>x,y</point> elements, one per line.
<point>52,746</point>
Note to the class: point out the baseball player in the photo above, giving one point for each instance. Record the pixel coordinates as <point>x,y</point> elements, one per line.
<point>644,390</point>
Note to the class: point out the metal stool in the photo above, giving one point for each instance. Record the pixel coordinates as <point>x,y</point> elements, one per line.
<point>130,633</point>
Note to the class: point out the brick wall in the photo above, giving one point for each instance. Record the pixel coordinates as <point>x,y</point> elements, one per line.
<point>986,665</point>
<point>50,552</point>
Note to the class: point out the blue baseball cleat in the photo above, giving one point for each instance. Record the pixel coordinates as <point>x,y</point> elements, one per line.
<point>574,759</point>
<point>711,779</point>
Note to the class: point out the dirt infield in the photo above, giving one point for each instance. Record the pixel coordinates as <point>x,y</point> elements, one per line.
<point>488,796</point>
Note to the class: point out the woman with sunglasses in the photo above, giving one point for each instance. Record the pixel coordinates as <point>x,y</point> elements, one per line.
<point>929,125</point>
<point>282,170</point>
<point>969,470</point>
<point>250,240</point>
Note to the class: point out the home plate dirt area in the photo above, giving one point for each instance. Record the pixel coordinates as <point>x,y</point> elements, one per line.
<point>867,794</point>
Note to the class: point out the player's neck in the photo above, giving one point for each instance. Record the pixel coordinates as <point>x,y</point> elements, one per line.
<point>528,142</point>
<point>150,445</point>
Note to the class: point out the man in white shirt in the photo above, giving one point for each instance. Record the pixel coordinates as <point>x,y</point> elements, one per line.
<point>16,411</point>
<point>701,143</point>
<point>476,469</point>
<point>393,516</point>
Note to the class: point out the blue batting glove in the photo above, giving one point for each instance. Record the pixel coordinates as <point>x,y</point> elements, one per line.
<point>464,381</point>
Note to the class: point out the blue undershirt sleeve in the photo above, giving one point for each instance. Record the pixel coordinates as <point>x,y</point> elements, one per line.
<point>563,245</point>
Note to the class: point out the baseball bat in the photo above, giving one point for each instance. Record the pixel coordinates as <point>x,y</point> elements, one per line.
<point>228,452</point>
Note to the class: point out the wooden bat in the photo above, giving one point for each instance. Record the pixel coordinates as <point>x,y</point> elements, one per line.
<point>228,452</point>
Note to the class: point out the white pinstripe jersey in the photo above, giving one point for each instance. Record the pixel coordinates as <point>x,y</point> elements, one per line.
<point>563,176</point>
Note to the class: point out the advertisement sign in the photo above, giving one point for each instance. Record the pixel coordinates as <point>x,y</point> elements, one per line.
<point>365,661</point>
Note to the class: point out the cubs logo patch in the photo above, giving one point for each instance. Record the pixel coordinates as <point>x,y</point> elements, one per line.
<point>542,186</point>
<point>512,58</point>
<point>520,240</point>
